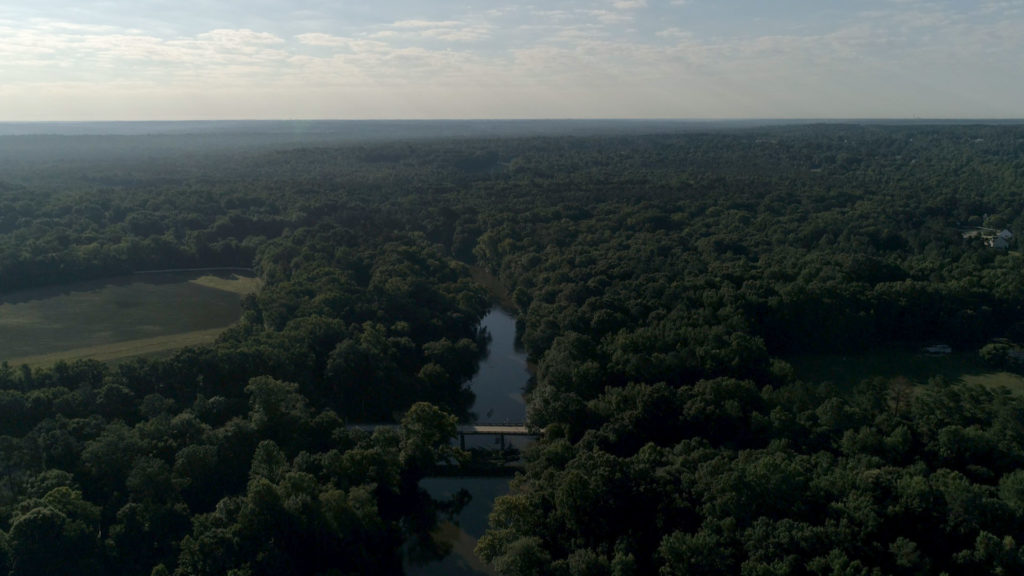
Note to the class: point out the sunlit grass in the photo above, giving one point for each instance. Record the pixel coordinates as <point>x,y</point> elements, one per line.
<point>123,350</point>
<point>233,283</point>
<point>1012,382</point>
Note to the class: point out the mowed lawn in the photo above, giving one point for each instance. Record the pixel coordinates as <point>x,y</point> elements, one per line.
<point>145,314</point>
<point>846,371</point>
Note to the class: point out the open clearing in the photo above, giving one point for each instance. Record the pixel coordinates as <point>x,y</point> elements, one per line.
<point>847,370</point>
<point>141,315</point>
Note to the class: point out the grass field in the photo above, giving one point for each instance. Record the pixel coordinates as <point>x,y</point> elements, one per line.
<point>233,283</point>
<point>119,318</point>
<point>847,370</point>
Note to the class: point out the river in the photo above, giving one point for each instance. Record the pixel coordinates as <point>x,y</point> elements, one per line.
<point>498,386</point>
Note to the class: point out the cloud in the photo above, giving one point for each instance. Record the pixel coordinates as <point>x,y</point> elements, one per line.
<point>1005,7</point>
<point>572,58</point>
<point>672,32</point>
<point>236,38</point>
<point>426,24</point>
<point>607,16</point>
<point>65,51</point>
<point>437,30</point>
<point>321,39</point>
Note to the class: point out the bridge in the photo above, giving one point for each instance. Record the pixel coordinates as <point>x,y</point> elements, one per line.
<point>463,430</point>
<point>493,430</point>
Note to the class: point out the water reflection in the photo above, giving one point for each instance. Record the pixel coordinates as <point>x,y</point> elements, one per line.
<point>498,387</point>
<point>499,384</point>
<point>461,534</point>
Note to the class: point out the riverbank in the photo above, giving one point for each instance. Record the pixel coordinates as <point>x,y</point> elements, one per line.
<point>498,387</point>
<point>494,287</point>
<point>460,535</point>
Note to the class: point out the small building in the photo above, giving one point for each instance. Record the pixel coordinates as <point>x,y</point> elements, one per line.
<point>1001,241</point>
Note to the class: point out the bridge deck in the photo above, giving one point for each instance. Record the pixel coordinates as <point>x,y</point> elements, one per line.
<point>495,429</point>
<point>468,429</point>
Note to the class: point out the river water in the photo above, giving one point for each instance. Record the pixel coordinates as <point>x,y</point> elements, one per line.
<point>498,387</point>
<point>499,383</point>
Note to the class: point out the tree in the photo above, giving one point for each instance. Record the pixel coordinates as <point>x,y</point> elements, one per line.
<point>427,435</point>
<point>56,536</point>
<point>277,410</point>
<point>523,557</point>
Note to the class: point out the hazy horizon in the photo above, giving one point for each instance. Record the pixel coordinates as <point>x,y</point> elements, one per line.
<point>430,128</point>
<point>155,60</point>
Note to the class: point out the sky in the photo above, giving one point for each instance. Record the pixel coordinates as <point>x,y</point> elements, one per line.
<point>86,60</point>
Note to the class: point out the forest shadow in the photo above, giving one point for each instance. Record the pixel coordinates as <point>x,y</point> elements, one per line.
<point>846,371</point>
<point>91,285</point>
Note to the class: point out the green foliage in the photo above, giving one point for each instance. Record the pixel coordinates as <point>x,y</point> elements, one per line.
<point>660,282</point>
<point>56,534</point>
<point>427,434</point>
<point>525,556</point>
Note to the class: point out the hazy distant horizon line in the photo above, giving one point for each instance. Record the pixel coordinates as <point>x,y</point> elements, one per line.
<point>772,120</point>
<point>349,129</point>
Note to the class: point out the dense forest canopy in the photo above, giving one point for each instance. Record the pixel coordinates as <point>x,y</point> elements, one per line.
<point>664,282</point>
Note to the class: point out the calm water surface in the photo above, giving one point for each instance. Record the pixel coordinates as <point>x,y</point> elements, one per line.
<point>499,399</point>
<point>499,384</point>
